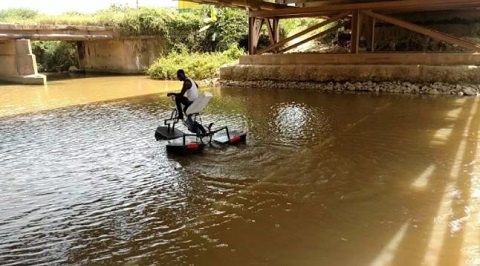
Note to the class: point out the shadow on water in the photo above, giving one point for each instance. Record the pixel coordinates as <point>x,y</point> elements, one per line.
<point>324,179</point>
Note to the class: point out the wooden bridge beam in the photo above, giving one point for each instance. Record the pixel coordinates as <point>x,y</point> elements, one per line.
<point>355,37</point>
<point>273,30</point>
<point>425,31</point>
<point>390,6</point>
<point>251,4</point>
<point>254,33</point>
<point>310,29</point>
<point>369,27</point>
<point>318,35</point>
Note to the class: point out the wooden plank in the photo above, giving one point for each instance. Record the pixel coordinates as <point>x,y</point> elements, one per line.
<point>251,4</point>
<point>254,31</point>
<point>270,30</point>
<point>422,30</point>
<point>320,2</point>
<point>395,6</point>
<point>325,32</point>
<point>312,28</point>
<point>332,2</point>
<point>355,37</point>
<point>295,1</point>
<point>436,59</point>
<point>258,29</point>
<point>370,33</point>
<point>276,29</point>
<point>251,36</point>
<point>453,8</point>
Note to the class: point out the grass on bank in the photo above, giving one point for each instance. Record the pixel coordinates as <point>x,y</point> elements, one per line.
<point>125,20</point>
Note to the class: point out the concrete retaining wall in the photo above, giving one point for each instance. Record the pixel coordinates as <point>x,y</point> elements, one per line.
<point>352,73</point>
<point>431,80</point>
<point>8,59</point>
<point>125,56</point>
<point>456,74</point>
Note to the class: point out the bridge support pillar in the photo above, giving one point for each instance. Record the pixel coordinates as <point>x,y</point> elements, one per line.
<point>18,63</point>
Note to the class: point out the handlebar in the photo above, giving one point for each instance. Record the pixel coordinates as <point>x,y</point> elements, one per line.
<point>172,95</point>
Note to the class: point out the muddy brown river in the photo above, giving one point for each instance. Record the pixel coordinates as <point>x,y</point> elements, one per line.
<point>324,179</point>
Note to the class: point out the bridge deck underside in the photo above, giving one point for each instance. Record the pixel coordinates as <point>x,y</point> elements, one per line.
<point>283,8</point>
<point>361,17</point>
<point>56,32</point>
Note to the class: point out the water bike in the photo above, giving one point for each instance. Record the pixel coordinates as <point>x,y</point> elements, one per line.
<point>198,136</point>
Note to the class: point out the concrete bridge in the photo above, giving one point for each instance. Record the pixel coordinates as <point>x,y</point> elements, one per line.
<point>100,49</point>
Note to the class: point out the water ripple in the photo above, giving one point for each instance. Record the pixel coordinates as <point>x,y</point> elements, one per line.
<point>88,184</point>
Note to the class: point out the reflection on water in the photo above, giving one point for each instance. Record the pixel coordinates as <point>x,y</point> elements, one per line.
<point>325,179</point>
<point>18,99</point>
<point>292,122</point>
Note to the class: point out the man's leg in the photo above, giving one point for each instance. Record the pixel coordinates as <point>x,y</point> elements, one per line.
<point>179,100</point>
<point>186,104</point>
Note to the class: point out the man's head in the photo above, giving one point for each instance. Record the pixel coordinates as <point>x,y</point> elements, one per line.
<point>181,75</point>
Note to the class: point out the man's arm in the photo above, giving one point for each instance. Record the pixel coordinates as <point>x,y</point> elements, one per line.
<point>187,84</point>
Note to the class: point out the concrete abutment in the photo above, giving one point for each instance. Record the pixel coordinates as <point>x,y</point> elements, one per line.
<point>18,63</point>
<point>120,56</point>
<point>422,73</point>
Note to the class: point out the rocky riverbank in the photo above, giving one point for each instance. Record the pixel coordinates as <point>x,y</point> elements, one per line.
<point>395,87</point>
<point>211,82</point>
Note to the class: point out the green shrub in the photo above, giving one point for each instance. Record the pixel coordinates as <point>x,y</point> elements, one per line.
<point>196,65</point>
<point>224,27</point>
<point>291,26</point>
<point>55,55</point>
<point>184,32</point>
<point>128,21</point>
<point>180,29</point>
<point>10,15</point>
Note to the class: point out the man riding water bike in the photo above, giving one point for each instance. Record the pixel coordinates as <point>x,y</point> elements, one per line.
<point>190,87</point>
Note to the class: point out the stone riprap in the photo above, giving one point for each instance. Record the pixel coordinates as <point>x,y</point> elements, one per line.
<point>433,80</point>
<point>437,88</point>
